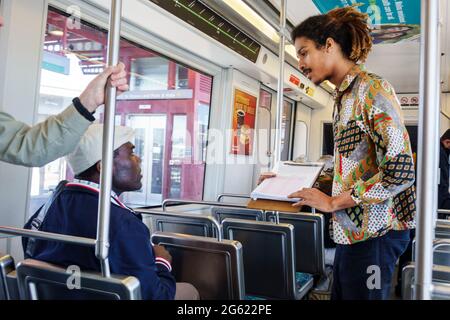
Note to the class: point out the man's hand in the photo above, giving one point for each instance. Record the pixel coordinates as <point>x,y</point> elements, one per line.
<point>161,252</point>
<point>313,198</point>
<point>265,175</point>
<point>94,94</point>
<point>319,200</point>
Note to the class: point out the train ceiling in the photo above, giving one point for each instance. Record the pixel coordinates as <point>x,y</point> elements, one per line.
<point>398,61</point>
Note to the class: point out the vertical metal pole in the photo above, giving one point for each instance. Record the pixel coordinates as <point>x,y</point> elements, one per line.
<point>280,93</point>
<point>102,242</point>
<point>428,147</point>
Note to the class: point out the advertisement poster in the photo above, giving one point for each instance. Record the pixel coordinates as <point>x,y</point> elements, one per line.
<point>244,114</point>
<point>392,21</point>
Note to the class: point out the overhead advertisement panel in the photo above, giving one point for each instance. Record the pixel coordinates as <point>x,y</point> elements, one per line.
<point>392,20</point>
<point>200,16</point>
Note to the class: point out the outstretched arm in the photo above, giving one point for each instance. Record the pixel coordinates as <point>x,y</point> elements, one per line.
<point>35,146</point>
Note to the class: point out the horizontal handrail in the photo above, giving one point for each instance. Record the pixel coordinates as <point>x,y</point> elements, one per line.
<point>206,203</point>
<point>232,195</point>
<point>47,236</point>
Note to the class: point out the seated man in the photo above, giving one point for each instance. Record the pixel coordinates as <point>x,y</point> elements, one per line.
<point>74,212</point>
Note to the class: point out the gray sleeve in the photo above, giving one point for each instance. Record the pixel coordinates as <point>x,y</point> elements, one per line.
<point>42,143</point>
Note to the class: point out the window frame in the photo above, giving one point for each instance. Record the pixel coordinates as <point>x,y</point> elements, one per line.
<point>99,17</point>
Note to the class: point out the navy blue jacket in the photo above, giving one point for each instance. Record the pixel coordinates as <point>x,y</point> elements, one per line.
<point>443,194</point>
<point>74,213</point>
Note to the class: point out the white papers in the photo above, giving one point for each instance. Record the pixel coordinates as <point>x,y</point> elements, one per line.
<point>291,177</point>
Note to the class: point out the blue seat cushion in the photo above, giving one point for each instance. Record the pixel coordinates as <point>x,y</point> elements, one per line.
<point>254,298</point>
<point>302,280</point>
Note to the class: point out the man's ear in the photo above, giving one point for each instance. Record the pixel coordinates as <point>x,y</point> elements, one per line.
<point>330,44</point>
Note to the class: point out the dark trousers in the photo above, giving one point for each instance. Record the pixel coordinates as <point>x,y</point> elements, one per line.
<point>404,259</point>
<point>364,270</point>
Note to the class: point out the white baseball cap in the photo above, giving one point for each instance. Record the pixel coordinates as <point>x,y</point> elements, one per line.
<point>89,151</point>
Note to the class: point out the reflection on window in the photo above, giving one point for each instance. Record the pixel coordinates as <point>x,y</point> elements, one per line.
<point>149,74</point>
<point>202,132</point>
<point>179,137</point>
<point>327,139</point>
<point>286,130</point>
<point>165,99</point>
<point>301,141</point>
<point>182,81</point>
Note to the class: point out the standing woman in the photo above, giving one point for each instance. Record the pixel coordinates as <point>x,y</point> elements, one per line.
<point>373,200</point>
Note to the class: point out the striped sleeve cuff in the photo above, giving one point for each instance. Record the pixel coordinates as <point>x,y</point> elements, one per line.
<point>164,262</point>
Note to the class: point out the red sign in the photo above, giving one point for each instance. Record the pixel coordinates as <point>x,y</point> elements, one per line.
<point>293,79</point>
<point>244,113</point>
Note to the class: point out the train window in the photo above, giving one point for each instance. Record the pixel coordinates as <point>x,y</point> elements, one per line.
<point>327,139</point>
<point>168,105</point>
<point>301,141</point>
<point>286,130</point>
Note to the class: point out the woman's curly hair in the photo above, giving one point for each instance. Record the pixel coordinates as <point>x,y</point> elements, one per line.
<point>347,26</point>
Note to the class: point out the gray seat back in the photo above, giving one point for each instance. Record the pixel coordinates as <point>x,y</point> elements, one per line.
<point>185,223</point>
<point>269,258</point>
<point>441,255</point>
<point>442,230</point>
<point>214,268</point>
<point>441,275</point>
<point>309,240</point>
<point>8,284</point>
<point>39,280</point>
<point>221,213</point>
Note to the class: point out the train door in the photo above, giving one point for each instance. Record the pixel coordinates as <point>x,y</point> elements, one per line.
<point>150,145</point>
<point>266,130</point>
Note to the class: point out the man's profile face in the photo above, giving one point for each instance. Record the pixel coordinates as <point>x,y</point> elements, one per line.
<point>1,21</point>
<point>314,63</point>
<point>126,169</point>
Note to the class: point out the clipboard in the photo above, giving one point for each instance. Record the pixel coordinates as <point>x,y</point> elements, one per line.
<point>286,206</point>
<point>272,205</point>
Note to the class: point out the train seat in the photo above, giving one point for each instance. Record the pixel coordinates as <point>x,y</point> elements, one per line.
<point>269,259</point>
<point>8,280</point>
<point>442,230</point>
<point>221,213</point>
<point>308,240</point>
<point>441,276</point>
<point>39,280</point>
<point>185,223</point>
<point>214,268</point>
<point>441,254</point>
